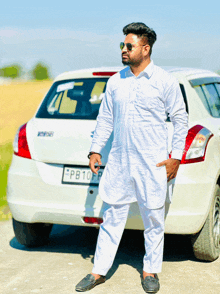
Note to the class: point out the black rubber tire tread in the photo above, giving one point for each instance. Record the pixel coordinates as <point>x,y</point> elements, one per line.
<point>31,234</point>
<point>203,242</point>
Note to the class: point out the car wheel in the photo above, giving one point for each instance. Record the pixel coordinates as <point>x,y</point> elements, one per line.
<point>206,243</point>
<point>31,234</point>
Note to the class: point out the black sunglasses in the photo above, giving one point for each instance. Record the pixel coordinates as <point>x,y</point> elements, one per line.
<point>128,45</point>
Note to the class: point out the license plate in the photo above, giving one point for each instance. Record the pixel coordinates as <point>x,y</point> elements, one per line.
<point>81,175</point>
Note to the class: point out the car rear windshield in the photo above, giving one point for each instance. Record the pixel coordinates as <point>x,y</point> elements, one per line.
<point>73,99</point>
<point>209,93</point>
<point>77,99</point>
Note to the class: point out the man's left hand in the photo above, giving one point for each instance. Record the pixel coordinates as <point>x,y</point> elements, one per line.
<point>172,166</point>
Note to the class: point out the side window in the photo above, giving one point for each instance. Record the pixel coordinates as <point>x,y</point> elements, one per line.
<point>208,90</point>
<point>212,99</point>
<point>202,96</point>
<point>218,88</point>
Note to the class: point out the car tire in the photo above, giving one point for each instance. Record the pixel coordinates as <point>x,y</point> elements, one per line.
<point>206,243</point>
<point>31,234</point>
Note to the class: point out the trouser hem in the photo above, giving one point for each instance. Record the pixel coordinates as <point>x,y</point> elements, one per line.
<point>152,270</point>
<point>99,272</point>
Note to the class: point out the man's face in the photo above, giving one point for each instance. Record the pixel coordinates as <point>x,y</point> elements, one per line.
<point>138,52</point>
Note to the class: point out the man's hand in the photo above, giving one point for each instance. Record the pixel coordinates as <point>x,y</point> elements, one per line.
<point>172,166</point>
<point>94,158</point>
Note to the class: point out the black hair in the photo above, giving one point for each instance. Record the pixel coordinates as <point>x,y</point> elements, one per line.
<point>142,31</point>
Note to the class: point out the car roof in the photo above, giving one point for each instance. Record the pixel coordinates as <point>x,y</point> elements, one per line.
<point>189,73</point>
<point>87,73</point>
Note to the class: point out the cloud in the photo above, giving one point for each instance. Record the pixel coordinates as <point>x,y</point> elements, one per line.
<point>62,49</point>
<point>17,35</point>
<point>188,49</point>
<point>69,49</point>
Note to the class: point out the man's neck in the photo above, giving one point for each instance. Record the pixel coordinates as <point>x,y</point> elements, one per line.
<point>138,69</point>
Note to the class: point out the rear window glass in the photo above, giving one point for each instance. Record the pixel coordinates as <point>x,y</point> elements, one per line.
<point>77,99</point>
<point>210,96</point>
<point>73,99</point>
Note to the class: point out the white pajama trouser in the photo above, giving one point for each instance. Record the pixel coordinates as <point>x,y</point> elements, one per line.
<point>111,230</point>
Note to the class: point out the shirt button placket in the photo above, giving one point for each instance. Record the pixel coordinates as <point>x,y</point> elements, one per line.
<point>131,101</point>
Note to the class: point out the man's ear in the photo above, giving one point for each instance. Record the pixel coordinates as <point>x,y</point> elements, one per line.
<point>146,49</point>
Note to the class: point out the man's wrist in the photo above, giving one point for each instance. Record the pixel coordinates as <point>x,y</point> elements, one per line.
<point>90,153</point>
<point>177,154</point>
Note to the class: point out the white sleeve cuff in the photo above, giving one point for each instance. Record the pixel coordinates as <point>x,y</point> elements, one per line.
<point>177,154</point>
<point>95,148</point>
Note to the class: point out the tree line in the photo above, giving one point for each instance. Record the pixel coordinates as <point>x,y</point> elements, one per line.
<point>39,72</point>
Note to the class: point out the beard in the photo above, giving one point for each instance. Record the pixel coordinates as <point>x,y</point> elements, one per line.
<point>127,61</point>
<point>132,62</point>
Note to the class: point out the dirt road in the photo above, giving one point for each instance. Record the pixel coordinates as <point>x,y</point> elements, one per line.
<point>59,266</point>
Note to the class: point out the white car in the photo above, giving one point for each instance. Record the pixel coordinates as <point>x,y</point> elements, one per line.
<point>49,181</point>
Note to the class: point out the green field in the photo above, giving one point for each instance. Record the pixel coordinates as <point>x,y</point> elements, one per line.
<point>6,152</point>
<point>19,101</point>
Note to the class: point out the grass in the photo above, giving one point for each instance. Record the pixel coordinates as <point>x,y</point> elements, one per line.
<point>19,102</point>
<point>6,152</point>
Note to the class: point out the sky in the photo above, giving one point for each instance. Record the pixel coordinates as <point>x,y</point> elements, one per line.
<point>70,35</point>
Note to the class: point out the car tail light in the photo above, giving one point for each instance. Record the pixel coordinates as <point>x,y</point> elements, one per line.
<point>196,143</point>
<point>93,220</point>
<point>104,73</point>
<point>20,143</point>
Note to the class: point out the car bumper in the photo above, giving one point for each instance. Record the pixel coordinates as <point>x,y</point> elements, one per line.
<point>35,194</point>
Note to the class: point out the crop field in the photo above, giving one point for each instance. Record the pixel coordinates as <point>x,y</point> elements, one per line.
<point>19,102</point>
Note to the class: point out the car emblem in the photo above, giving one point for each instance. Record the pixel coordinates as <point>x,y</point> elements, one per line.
<point>45,134</point>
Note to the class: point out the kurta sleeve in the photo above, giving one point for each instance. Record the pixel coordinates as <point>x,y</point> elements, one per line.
<point>176,109</point>
<point>104,124</point>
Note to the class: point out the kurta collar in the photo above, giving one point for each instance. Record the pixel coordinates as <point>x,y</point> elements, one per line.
<point>148,71</point>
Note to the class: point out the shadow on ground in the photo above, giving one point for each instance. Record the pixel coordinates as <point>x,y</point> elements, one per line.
<point>82,240</point>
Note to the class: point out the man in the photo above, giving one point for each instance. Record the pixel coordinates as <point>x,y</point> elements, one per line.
<point>135,108</point>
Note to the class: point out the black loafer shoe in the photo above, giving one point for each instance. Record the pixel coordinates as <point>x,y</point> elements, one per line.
<point>150,284</point>
<point>88,283</point>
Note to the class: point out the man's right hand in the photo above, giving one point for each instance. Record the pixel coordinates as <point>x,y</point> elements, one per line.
<point>94,158</point>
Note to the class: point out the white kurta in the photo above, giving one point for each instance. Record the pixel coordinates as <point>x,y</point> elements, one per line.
<point>135,109</point>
